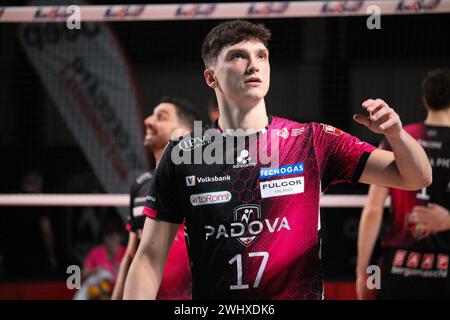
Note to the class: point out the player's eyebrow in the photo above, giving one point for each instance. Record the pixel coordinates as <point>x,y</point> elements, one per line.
<point>233,51</point>
<point>163,112</point>
<point>244,51</point>
<point>263,50</point>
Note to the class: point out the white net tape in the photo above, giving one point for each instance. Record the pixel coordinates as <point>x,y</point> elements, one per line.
<point>248,10</point>
<point>123,200</point>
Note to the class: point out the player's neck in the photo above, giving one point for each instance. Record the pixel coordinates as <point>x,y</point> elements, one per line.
<point>233,116</point>
<point>157,154</point>
<point>438,118</point>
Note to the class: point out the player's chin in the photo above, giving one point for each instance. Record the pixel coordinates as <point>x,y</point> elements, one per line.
<point>150,143</point>
<point>255,93</point>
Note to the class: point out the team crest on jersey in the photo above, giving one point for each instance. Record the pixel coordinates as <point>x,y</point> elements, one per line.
<point>246,225</point>
<point>246,214</point>
<point>284,133</point>
<point>330,129</point>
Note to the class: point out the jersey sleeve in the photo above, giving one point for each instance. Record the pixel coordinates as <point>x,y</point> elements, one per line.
<point>163,199</point>
<point>341,157</point>
<point>131,222</point>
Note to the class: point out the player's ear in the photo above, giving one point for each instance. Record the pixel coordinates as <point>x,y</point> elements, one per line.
<point>179,132</point>
<point>210,78</point>
<point>425,103</point>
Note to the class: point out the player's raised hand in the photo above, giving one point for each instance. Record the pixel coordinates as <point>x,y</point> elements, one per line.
<point>433,217</point>
<point>382,119</point>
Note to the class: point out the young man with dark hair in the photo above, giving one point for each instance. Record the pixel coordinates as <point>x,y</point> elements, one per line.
<point>172,117</point>
<point>252,226</point>
<point>416,247</point>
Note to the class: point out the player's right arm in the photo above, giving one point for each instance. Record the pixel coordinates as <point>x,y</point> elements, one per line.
<point>144,276</point>
<point>125,266</point>
<point>369,228</point>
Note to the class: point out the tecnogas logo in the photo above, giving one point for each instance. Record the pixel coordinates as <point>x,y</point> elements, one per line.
<point>246,225</point>
<point>210,198</point>
<point>286,170</point>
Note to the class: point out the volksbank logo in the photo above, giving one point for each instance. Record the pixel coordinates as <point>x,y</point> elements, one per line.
<point>286,170</point>
<point>193,180</point>
<point>210,198</point>
<point>282,187</point>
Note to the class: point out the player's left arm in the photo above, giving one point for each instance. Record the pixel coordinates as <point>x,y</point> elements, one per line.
<point>407,166</point>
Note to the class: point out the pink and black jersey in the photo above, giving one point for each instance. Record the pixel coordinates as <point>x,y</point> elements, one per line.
<point>138,196</point>
<point>401,234</point>
<point>253,226</point>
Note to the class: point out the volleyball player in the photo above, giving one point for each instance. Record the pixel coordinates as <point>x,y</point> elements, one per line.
<point>252,227</point>
<point>416,247</point>
<point>172,116</point>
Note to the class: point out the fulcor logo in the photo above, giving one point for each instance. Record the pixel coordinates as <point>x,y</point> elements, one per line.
<point>286,170</point>
<point>265,9</point>
<point>210,198</point>
<point>282,187</point>
<point>52,12</point>
<point>417,5</point>
<point>124,11</point>
<point>195,10</point>
<point>246,225</point>
<point>192,180</point>
<point>342,6</point>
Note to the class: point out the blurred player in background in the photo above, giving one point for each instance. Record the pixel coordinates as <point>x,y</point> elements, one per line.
<point>101,264</point>
<point>171,117</point>
<point>416,247</point>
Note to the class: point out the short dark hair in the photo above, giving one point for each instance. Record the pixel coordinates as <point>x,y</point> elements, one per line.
<point>186,112</point>
<point>229,33</point>
<point>436,89</point>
